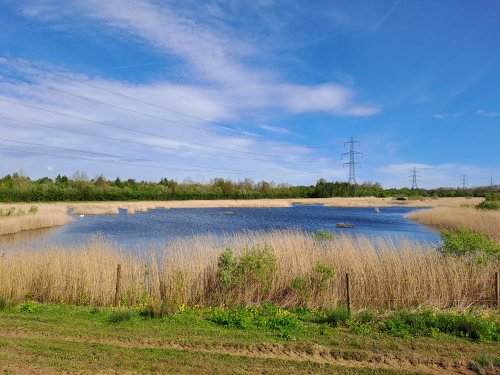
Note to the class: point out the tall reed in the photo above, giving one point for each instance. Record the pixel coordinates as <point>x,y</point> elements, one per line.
<point>383,273</point>
<point>44,216</point>
<point>487,222</point>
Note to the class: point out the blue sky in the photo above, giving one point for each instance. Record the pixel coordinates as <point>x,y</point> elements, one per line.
<point>263,89</point>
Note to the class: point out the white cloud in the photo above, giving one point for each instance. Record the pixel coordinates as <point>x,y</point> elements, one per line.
<point>166,140</point>
<point>433,175</point>
<point>275,129</point>
<point>482,112</point>
<point>214,57</point>
<point>443,116</point>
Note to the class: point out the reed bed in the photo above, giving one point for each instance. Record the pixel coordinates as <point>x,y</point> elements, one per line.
<point>482,221</point>
<point>383,273</point>
<point>46,216</point>
<point>100,208</point>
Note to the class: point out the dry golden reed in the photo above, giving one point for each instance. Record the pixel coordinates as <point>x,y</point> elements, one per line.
<point>46,216</point>
<point>383,273</point>
<point>482,221</point>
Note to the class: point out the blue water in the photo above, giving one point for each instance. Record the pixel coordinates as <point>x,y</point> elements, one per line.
<point>160,225</point>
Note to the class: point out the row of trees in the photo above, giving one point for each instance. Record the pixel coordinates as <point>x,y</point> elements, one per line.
<point>19,188</point>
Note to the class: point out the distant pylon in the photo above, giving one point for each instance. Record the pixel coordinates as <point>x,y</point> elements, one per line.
<point>352,162</point>
<point>491,182</point>
<point>414,178</point>
<point>463,181</point>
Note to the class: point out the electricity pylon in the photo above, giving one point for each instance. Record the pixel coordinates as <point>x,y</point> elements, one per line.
<point>352,162</point>
<point>414,178</point>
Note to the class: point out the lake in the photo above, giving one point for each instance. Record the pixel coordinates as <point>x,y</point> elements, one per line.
<point>161,225</point>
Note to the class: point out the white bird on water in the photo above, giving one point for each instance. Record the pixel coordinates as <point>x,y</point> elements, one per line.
<point>82,215</point>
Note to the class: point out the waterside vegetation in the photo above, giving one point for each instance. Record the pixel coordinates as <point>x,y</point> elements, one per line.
<point>287,268</point>
<point>19,188</point>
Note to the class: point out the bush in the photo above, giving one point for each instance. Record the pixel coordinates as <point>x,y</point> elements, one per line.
<point>491,202</point>
<point>3,303</point>
<point>427,323</point>
<point>322,236</point>
<point>30,307</point>
<point>311,286</point>
<point>488,205</point>
<point>267,317</point>
<point>463,242</point>
<point>334,317</point>
<point>254,269</point>
<point>120,315</point>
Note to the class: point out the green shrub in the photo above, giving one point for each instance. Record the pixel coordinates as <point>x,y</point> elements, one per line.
<point>364,317</point>
<point>234,318</point>
<point>30,307</point>
<point>322,236</point>
<point>334,317</point>
<point>3,303</point>
<point>255,268</point>
<point>404,323</point>
<point>267,317</point>
<point>427,323</point>
<point>491,202</point>
<point>322,275</point>
<point>310,287</point>
<point>120,315</point>
<point>463,242</point>
<point>33,210</point>
<point>302,287</point>
<point>488,205</point>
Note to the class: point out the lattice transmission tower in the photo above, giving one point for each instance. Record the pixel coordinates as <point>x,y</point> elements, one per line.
<point>352,161</point>
<point>414,178</point>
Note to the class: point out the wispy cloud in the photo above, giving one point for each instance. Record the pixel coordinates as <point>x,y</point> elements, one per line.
<point>433,175</point>
<point>482,112</point>
<point>443,116</point>
<point>213,57</point>
<point>75,114</point>
<point>275,129</point>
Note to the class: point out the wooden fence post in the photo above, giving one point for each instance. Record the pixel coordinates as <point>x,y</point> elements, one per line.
<point>118,284</point>
<point>348,294</point>
<point>497,287</point>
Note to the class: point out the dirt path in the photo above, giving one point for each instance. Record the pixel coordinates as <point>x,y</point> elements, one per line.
<point>286,351</point>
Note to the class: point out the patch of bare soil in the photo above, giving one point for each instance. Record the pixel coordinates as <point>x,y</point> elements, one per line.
<point>287,351</point>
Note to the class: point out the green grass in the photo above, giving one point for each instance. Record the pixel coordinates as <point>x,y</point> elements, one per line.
<point>241,340</point>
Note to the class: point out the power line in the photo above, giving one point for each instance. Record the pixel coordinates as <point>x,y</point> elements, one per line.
<point>352,163</point>
<point>120,140</point>
<point>148,133</point>
<point>238,171</point>
<point>142,101</point>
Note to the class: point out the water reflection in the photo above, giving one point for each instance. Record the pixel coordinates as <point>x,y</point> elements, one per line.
<point>160,226</point>
<point>25,237</point>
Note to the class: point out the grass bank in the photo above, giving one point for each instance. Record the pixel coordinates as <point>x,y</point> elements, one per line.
<point>52,338</point>
<point>286,268</point>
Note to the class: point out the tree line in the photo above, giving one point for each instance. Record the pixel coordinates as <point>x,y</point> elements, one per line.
<point>19,188</point>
